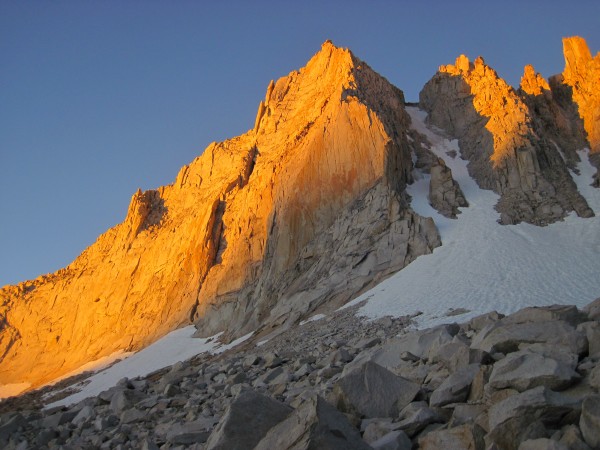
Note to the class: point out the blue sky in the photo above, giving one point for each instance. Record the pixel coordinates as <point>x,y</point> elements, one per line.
<point>100,98</point>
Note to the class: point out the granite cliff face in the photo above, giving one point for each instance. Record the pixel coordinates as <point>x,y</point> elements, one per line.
<point>334,161</point>
<point>520,143</point>
<point>307,208</point>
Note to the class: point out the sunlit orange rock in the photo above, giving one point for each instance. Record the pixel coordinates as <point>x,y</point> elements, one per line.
<point>555,117</point>
<point>493,99</point>
<point>532,83</point>
<point>305,210</point>
<point>498,133</point>
<point>582,74</point>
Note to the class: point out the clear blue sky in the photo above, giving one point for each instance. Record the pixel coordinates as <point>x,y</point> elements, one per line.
<point>98,98</point>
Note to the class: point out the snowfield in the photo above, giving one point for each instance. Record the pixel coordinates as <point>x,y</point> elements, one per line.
<point>176,346</point>
<point>481,266</point>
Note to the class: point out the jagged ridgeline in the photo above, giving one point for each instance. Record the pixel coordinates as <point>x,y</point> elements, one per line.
<point>522,143</point>
<point>307,209</point>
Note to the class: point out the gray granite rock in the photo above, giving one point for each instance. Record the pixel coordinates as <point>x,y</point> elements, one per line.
<point>566,313</point>
<point>373,391</point>
<point>481,321</point>
<point>455,388</point>
<point>592,332</point>
<point>506,338</point>
<point>592,309</point>
<point>84,416</point>
<point>526,369</point>
<point>524,416</point>
<point>572,439</point>
<point>314,425</point>
<point>421,343</point>
<point>416,417</point>
<point>247,420</point>
<point>589,423</point>
<point>542,444</point>
<point>10,426</point>
<point>467,436</point>
<point>445,195</point>
<point>394,440</point>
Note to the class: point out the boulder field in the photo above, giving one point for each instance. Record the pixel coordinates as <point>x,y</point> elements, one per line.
<point>529,380</point>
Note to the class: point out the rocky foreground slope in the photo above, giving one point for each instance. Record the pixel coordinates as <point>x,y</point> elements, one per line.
<point>307,209</point>
<point>527,381</point>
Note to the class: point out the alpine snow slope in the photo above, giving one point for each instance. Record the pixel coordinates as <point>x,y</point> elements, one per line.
<point>482,265</point>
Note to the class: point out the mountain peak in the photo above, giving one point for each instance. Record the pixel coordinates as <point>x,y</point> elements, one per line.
<point>577,56</point>
<point>497,132</point>
<point>463,66</point>
<point>303,93</point>
<point>532,83</point>
<point>331,76</point>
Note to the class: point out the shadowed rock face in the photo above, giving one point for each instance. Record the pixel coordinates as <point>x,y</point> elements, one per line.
<point>504,135</point>
<point>307,208</point>
<point>554,115</point>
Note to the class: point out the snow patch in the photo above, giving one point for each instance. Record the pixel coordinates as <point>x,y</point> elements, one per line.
<point>313,318</point>
<point>584,181</point>
<point>484,266</point>
<point>176,346</point>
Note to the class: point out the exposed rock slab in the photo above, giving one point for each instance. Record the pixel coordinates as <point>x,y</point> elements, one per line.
<point>455,388</point>
<point>524,415</point>
<point>247,421</point>
<point>395,440</point>
<point>566,313</point>
<point>505,338</point>
<point>467,436</point>
<point>590,421</point>
<point>527,369</point>
<point>542,444</point>
<point>422,344</point>
<point>373,391</point>
<point>314,425</point>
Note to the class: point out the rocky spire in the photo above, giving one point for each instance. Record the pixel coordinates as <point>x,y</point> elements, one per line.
<point>532,83</point>
<point>497,134</point>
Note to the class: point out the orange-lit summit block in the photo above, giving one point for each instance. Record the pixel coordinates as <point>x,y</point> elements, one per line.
<point>507,116</point>
<point>532,83</point>
<point>259,229</point>
<point>516,143</point>
<point>582,74</point>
